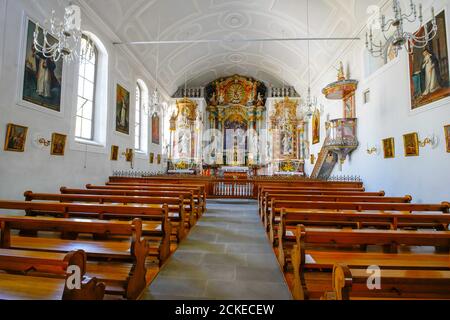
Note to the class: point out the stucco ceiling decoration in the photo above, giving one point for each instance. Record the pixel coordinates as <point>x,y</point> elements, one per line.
<point>272,62</point>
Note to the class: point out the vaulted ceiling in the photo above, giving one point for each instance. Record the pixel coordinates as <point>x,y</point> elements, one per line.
<point>271,62</point>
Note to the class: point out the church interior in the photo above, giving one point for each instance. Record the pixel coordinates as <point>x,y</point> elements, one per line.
<point>224,150</point>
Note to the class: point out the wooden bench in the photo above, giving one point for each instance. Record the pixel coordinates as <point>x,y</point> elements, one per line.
<point>307,206</point>
<point>192,208</point>
<point>198,191</point>
<point>176,206</point>
<point>391,221</point>
<point>193,187</point>
<point>308,252</point>
<point>262,203</point>
<point>157,229</point>
<point>30,275</point>
<point>124,272</point>
<point>351,283</point>
<point>325,198</point>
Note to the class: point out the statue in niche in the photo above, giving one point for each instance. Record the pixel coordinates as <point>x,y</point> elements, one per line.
<point>259,101</point>
<point>183,145</point>
<point>221,98</point>
<point>213,100</point>
<point>287,143</point>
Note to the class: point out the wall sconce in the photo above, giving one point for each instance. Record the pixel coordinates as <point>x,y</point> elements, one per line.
<point>41,142</point>
<point>375,150</point>
<point>431,140</point>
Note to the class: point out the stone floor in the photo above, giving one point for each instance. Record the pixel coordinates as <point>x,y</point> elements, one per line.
<point>226,256</point>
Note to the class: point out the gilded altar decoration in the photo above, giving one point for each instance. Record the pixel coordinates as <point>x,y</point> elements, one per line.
<point>236,110</point>
<point>316,127</point>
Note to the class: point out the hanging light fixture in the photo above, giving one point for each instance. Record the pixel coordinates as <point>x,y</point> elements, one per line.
<point>155,99</point>
<point>310,105</point>
<point>401,38</point>
<point>67,33</point>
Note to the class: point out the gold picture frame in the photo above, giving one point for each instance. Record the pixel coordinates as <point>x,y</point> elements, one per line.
<point>411,144</point>
<point>114,153</point>
<point>58,144</point>
<point>158,159</point>
<point>16,138</point>
<point>447,137</point>
<point>129,155</point>
<point>152,158</point>
<point>389,148</point>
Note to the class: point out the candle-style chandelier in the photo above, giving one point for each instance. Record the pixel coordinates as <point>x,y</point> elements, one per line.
<point>59,39</point>
<point>310,105</point>
<point>400,38</point>
<point>155,99</point>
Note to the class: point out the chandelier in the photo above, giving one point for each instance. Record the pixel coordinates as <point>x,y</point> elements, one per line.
<point>155,99</point>
<point>67,33</point>
<point>310,105</point>
<point>401,38</point>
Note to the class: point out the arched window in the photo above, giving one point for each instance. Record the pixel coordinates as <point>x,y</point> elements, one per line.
<point>138,119</point>
<point>87,81</point>
<point>141,118</point>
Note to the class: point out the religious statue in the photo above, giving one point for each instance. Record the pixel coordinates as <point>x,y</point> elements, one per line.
<point>183,146</point>
<point>221,98</point>
<point>259,101</point>
<point>287,143</point>
<point>341,74</point>
<point>213,100</point>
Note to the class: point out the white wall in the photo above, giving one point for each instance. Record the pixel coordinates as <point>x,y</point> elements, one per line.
<point>36,169</point>
<point>388,114</point>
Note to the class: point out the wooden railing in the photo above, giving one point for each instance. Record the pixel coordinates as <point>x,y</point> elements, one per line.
<point>232,189</point>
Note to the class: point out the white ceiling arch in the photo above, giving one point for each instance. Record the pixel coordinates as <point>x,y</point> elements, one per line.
<point>273,63</point>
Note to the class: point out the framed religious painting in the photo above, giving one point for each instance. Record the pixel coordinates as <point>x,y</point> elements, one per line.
<point>411,144</point>
<point>389,148</point>
<point>122,110</point>
<point>152,158</point>
<point>16,137</point>
<point>155,129</point>
<point>42,76</point>
<point>58,144</point>
<point>158,159</point>
<point>114,153</point>
<point>316,127</point>
<point>447,137</point>
<point>429,68</point>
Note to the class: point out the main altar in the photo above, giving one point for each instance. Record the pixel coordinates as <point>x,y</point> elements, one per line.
<point>235,127</point>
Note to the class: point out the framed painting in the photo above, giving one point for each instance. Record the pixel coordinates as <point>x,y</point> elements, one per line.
<point>152,158</point>
<point>42,76</point>
<point>129,155</point>
<point>158,159</point>
<point>447,137</point>
<point>411,144</point>
<point>429,69</point>
<point>122,110</point>
<point>16,137</point>
<point>389,148</point>
<point>114,153</point>
<point>316,127</point>
<point>58,144</point>
<point>155,129</point>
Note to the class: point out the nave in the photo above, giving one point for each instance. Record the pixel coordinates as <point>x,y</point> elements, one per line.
<point>226,256</point>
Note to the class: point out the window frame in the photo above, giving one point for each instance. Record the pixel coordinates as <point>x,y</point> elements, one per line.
<point>94,96</point>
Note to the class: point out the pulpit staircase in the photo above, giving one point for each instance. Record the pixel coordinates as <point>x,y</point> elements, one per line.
<point>325,163</point>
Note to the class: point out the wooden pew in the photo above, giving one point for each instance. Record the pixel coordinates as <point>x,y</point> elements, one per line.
<point>176,206</point>
<point>124,273</point>
<point>308,206</point>
<point>266,192</point>
<point>198,192</point>
<point>191,207</point>
<point>30,275</point>
<point>306,257</point>
<point>351,283</point>
<point>159,231</point>
<point>189,186</point>
<point>391,221</point>
<point>326,198</point>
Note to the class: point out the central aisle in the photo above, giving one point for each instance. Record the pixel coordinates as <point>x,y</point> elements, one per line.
<point>226,256</point>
